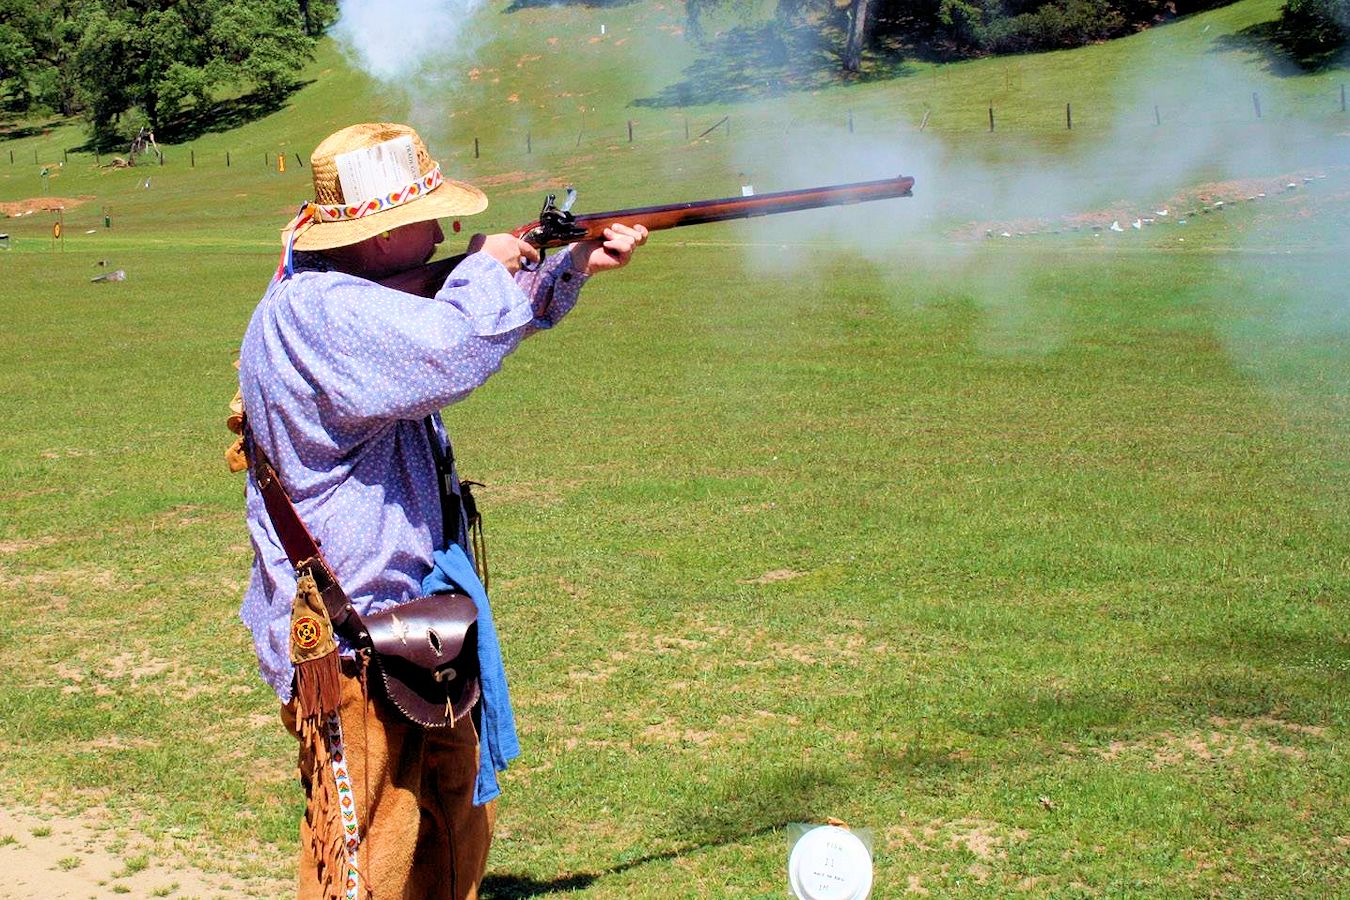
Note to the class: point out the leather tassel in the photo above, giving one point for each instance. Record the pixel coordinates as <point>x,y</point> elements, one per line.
<point>318,671</point>
<point>318,685</point>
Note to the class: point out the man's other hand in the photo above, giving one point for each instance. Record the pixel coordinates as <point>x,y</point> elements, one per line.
<point>614,252</point>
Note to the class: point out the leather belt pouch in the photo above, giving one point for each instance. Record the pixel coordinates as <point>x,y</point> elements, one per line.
<point>426,651</point>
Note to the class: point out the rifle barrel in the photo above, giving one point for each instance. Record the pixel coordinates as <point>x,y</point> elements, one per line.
<point>426,280</point>
<point>702,212</point>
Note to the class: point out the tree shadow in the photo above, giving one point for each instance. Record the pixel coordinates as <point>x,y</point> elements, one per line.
<point>14,132</point>
<point>193,122</point>
<point>755,62</point>
<point>738,810</point>
<point>225,115</point>
<point>518,5</point>
<point>1285,49</point>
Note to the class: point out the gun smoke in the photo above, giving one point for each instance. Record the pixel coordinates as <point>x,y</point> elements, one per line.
<point>1184,125</point>
<point>974,188</point>
<point>395,41</point>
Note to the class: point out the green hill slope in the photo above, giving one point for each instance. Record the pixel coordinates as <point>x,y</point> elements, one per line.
<point>546,79</point>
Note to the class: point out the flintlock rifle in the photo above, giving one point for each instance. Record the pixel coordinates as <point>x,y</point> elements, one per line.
<point>558,226</point>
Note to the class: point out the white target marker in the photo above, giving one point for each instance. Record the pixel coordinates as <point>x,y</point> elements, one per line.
<point>830,863</point>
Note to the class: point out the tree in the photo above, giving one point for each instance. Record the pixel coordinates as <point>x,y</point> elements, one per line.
<point>860,14</point>
<point>317,15</point>
<point>35,60</point>
<point>157,56</point>
<point>1315,27</point>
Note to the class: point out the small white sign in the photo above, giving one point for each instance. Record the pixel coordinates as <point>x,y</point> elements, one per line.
<point>830,863</point>
<point>376,171</point>
<point>747,190</point>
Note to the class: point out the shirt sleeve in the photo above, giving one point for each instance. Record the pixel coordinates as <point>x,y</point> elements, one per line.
<point>370,352</point>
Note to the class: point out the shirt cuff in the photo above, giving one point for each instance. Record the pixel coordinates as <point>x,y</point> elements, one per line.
<point>553,288</point>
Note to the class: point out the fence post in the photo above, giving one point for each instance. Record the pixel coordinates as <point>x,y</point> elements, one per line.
<point>34,156</point>
<point>475,148</point>
<point>298,161</point>
<point>991,118</point>
<point>65,157</point>
<point>850,121</point>
<point>1157,117</point>
<point>529,147</point>
<point>1256,104</point>
<point>1068,115</point>
<point>11,153</point>
<point>630,131</point>
<point>227,159</point>
<point>161,159</point>
<point>192,159</point>
<point>267,160</point>
<point>686,122</point>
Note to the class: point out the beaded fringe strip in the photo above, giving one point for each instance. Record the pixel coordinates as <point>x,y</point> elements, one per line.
<point>346,803</point>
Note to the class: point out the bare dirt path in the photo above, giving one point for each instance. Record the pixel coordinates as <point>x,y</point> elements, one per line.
<point>50,857</point>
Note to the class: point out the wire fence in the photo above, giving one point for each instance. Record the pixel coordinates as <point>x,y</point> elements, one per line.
<point>586,133</point>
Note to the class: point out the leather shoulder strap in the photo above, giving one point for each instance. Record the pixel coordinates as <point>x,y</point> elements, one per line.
<point>294,535</point>
<point>301,547</point>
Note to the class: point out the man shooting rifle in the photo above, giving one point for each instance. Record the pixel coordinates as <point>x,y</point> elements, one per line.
<point>368,618</point>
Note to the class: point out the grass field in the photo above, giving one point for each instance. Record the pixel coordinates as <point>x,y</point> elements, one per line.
<point>1029,555</point>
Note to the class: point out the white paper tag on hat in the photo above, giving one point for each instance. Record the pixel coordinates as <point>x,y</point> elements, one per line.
<point>376,171</point>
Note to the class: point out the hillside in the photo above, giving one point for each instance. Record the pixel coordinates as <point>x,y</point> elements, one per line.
<point>1150,114</point>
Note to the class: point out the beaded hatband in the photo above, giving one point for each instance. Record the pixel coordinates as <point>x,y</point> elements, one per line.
<point>339,212</point>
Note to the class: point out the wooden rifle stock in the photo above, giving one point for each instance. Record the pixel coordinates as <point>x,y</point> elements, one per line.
<point>558,227</point>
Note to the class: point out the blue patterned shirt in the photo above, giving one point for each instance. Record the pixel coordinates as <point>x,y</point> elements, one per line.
<point>337,374</point>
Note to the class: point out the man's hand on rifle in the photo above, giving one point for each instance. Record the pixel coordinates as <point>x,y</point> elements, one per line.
<point>507,249</point>
<point>614,252</point>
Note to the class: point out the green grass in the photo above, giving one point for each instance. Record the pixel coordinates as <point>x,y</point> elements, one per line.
<point>782,527</point>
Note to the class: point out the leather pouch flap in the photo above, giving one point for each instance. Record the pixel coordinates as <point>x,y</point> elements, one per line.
<point>429,632</point>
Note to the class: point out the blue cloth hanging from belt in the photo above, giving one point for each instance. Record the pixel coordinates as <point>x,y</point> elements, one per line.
<point>497,741</point>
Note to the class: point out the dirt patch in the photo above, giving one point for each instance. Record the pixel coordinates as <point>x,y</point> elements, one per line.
<point>775,575</point>
<point>534,493</point>
<point>84,857</point>
<point>671,733</point>
<point>1268,722</point>
<point>19,546</point>
<point>984,839</point>
<point>1168,748</point>
<point>65,579</point>
<point>498,180</point>
<point>15,208</point>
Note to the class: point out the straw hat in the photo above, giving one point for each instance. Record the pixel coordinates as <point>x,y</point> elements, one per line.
<point>333,222</point>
